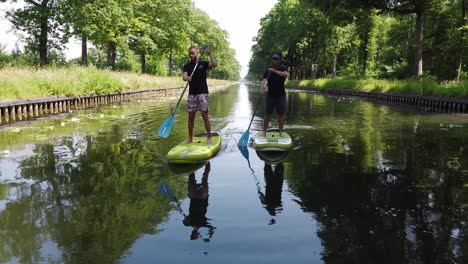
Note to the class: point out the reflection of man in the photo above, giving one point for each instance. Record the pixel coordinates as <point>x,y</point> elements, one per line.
<point>274,185</point>
<point>198,194</point>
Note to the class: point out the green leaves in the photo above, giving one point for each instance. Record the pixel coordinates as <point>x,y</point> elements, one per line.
<point>363,39</point>
<point>154,33</point>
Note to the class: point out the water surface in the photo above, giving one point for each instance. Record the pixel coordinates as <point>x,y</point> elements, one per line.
<point>366,183</point>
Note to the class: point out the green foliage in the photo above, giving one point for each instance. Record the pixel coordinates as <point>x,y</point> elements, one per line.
<point>23,83</point>
<point>99,82</point>
<point>149,36</point>
<point>427,86</point>
<point>362,39</point>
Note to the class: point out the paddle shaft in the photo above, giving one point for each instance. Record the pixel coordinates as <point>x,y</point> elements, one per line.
<point>256,106</point>
<point>186,85</point>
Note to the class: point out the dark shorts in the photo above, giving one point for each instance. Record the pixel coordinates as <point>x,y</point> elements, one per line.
<point>276,101</point>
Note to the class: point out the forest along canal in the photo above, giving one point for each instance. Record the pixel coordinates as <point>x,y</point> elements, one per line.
<point>367,182</point>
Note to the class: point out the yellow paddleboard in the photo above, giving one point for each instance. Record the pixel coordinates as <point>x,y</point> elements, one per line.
<point>197,151</point>
<point>273,141</point>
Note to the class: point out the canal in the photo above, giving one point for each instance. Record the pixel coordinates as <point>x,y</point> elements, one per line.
<point>365,183</point>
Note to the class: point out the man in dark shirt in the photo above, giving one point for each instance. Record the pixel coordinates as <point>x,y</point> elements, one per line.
<point>275,77</point>
<point>198,90</point>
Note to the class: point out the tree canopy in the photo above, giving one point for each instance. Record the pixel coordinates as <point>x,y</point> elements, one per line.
<point>149,36</point>
<point>365,39</point>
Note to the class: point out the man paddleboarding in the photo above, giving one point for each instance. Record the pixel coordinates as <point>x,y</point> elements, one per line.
<point>198,90</point>
<point>275,77</point>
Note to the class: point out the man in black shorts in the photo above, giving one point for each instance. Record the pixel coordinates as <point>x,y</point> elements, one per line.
<point>198,90</point>
<point>276,95</point>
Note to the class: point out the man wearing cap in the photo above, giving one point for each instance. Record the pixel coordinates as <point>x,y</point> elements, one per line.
<point>275,77</point>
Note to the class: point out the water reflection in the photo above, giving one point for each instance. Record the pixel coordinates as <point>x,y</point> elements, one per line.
<point>274,176</point>
<point>370,184</point>
<point>198,194</point>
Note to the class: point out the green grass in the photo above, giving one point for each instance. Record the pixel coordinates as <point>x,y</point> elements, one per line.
<point>25,83</point>
<point>426,86</point>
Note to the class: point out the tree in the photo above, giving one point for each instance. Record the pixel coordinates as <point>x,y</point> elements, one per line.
<point>463,31</point>
<point>39,18</point>
<point>77,20</point>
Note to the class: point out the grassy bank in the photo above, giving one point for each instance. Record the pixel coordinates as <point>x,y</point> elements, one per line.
<point>24,83</point>
<point>427,87</point>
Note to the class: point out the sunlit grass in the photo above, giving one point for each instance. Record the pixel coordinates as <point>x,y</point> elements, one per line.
<point>427,87</point>
<point>23,83</point>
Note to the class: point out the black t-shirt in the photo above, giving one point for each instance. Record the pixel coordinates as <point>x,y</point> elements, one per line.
<point>198,84</point>
<point>276,82</point>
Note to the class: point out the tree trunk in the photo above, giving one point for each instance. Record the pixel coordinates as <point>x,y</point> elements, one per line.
<point>312,71</point>
<point>420,17</point>
<point>170,63</point>
<point>84,50</point>
<point>464,22</point>
<point>111,54</point>
<point>364,35</point>
<point>460,63</point>
<point>334,66</point>
<point>43,37</point>
<point>143,63</point>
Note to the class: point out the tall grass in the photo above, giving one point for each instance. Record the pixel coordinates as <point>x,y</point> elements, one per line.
<point>425,86</point>
<point>24,83</point>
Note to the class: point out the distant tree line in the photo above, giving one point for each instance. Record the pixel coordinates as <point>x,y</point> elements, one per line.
<point>390,39</point>
<point>148,36</point>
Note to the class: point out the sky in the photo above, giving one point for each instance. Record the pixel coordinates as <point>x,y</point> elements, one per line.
<point>240,18</point>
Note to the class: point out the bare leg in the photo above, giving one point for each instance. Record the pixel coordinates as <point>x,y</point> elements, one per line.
<point>266,121</point>
<point>281,123</point>
<point>191,122</point>
<point>206,120</point>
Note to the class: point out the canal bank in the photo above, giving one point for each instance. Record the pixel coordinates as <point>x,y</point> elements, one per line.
<point>423,103</point>
<point>19,110</point>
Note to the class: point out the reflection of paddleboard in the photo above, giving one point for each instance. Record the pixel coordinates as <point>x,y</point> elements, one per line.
<point>272,157</point>
<point>185,169</point>
<point>273,141</point>
<point>197,151</point>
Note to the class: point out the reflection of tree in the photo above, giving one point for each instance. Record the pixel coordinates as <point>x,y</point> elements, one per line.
<point>93,206</point>
<point>198,194</point>
<point>20,237</point>
<point>390,196</point>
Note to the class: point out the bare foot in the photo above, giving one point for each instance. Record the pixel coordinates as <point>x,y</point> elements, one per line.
<point>281,133</point>
<point>208,141</point>
<point>188,141</point>
<point>264,134</point>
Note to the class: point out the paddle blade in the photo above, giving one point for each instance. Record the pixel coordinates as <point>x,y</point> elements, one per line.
<point>166,190</point>
<point>244,140</point>
<point>244,151</point>
<point>166,127</point>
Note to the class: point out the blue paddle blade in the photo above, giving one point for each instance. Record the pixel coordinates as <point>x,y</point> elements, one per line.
<point>166,190</point>
<point>244,151</point>
<point>244,140</point>
<point>166,127</point>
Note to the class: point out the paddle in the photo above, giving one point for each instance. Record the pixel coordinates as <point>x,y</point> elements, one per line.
<point>166,190</point>
<point>166,127</point>
<point>245,152</point>
<point>244,140</point>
